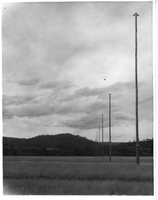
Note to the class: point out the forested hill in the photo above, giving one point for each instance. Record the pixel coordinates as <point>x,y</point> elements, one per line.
<point>70,145</point>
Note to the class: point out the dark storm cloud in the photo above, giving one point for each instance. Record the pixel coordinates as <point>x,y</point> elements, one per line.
<point>7,114</point>
<point>17,99</point>
<point>83,123</point>
<point>29,82</point>
<point>22,106</point>
<point>87,92</point>
<point>122,118</point>
<point>26,82</point>
<point>92,121</point>
<point>117,89</point>
<point>56,85</point>
<point>38,110</point>
<point>25,111</point>
<point>101,107</point>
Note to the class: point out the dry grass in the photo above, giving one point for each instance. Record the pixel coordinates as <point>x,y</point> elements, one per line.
<point>115,159</point>
<point>76,187</point>
<point>57,175</point>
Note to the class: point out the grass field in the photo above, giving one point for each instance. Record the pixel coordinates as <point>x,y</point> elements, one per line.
<point>77,176</point>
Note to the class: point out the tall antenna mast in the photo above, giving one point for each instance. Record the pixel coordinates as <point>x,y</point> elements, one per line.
<point>109,127</point>
<point>99,140</point>
<point>96,137</point>
<point>102,138</point>
<point>99,132</point>
<point>136,90</point>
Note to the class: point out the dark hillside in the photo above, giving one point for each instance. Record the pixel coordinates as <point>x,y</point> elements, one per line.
<point>62,144</point>
<point>70,145</point>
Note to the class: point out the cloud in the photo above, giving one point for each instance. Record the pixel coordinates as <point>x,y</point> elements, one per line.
<point>17,100</point>
<point>83,101</point>
<point>24,82</point>
<point>117,89</point>
<point>29,111</point>
<point>83,123</point>
<point>56,85</point>
<point>60,56</point>
<point>37,110</point>
<point>7,114</point>
<point>28,82</point>
<point>91,121</point>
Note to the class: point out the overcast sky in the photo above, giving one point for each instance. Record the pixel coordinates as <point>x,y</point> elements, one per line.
<point>55,58</point>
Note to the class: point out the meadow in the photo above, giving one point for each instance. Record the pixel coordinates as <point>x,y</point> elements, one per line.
<point>77,176</point>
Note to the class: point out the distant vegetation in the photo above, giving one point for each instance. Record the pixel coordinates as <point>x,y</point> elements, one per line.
<point>70,145</point>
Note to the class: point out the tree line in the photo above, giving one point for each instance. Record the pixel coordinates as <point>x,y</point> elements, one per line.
<point>70,145</point>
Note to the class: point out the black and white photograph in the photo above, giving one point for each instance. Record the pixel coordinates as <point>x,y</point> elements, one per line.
<point>78,98</point>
